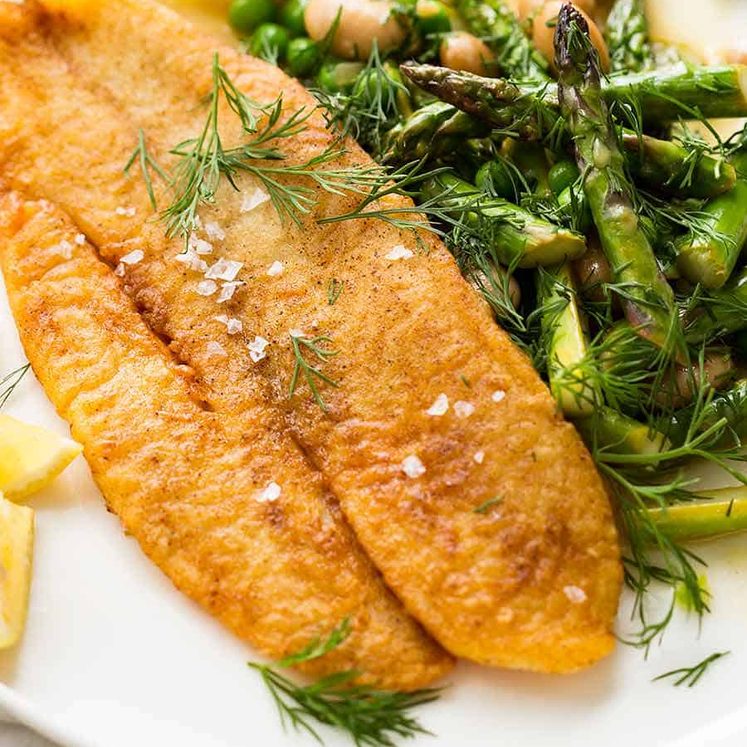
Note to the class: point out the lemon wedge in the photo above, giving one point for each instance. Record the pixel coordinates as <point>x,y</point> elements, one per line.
<point>16,554</point>
<point>31,457</point>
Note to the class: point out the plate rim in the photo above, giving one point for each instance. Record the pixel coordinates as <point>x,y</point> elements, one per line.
<point>24,711</point>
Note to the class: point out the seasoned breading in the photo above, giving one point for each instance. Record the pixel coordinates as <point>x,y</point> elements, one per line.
<point>531,583</point>
<point>188,481</point>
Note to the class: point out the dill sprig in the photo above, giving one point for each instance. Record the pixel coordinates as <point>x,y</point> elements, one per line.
<point>9,382</point>
<point>312,373</point>
<point>204,161</point>
<point>483,508</point>
<point>334,291</point>
<point>372,107</point>
<point>147,164</point>
<point>370,717</point>
<point>691,675</point>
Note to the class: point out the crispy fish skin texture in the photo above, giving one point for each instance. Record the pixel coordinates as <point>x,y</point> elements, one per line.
<point>184,479</point>
<point>532,583</point>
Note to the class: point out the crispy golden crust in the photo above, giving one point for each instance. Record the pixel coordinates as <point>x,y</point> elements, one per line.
<point>533,582</point>
<point>184,478</point>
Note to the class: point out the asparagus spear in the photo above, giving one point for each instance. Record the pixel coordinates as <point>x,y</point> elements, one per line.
<point>648,301</point>
<point>518,237</point>
<point>609,430</point>
<point>677,170</point>
<point>708,257</point>
<point>567,345</point>
<point>493,21</point>
<point>430,130</point>
<point>626,33</point>
<point>660,95</point>
<point>724,513</point>
<point>534,114</point>
<point>722,311</point>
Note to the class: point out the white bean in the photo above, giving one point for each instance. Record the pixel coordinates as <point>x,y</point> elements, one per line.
<point>461,50</point>
<point>361,23</point>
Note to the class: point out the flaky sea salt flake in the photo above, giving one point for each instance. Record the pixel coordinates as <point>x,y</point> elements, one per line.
<point>275,269</point>
<point>224,269</point>
<point>399,252</point>
<point>269,494</point>
<point>412,466</point>
<point>133,258</point>
<point>439,407</point>
<point>214,231</point>
<point>228,289</point>
<point>253,200</point>
<point>463,409</point>
<point>206,287</point>
<point>257,348</point>
<point>575,594</point>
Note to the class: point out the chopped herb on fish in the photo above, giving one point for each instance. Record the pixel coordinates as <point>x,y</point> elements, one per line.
<point>310,345</point>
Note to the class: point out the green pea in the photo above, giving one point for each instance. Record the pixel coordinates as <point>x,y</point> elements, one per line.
<point>246,15</point>
<point>270,42</point>
<point>494,178</point>
<point>562,175</point>
<point>292,16</point>
<point>338,77</point>
<point>304,57</point>
<point>432,17</point>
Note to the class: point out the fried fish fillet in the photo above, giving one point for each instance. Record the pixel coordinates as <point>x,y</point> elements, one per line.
<point>189,481</point>
<point>533,581</point>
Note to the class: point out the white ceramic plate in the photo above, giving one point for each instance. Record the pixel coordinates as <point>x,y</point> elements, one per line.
<point>113,656</point>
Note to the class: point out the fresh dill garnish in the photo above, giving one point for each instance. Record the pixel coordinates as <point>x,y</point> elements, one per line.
<point>483,508</point>
<point>370,717</point>
<point>312,346</point>
<point>147,163</point>
<point>204,161</point>
<point>691,675</point>
<point>657,479</point>
<point>9,382</point>
<point>372,106</point>
<point>334,291</point>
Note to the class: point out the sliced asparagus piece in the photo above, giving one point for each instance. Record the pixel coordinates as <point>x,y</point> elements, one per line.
<point>533,114</point>
<point>493,21</point>
<point>429,131</point>
<point>709,256</point>
<point>725,513</point>
<point>611,431</point>
<point>626,34</point>
<point>660,95</point>
<point>722,311</point>
<point>518,237</point>
<point>567,344</point>
<point>683,92</point>
<point>647,299</point>
<point>679,171</point>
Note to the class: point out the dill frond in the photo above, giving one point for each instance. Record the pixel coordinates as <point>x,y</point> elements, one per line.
<point>10,382</point>
<point>312,373</point>
<point>370,717</point>
<point>690,676</point>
